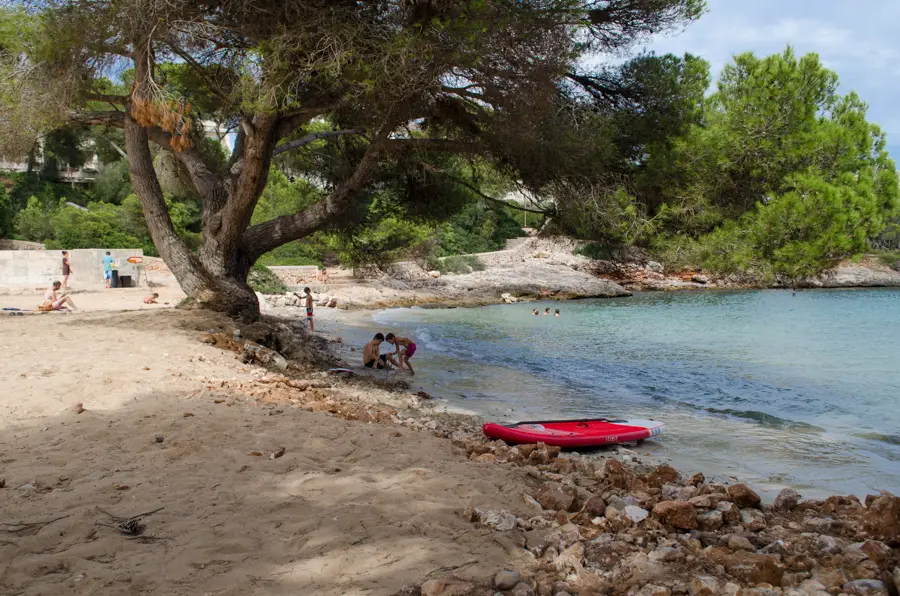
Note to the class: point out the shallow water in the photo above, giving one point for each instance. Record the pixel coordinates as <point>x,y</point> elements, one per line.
<point>776,389</point>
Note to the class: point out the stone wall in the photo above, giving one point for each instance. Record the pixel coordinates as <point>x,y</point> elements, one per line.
<point>6,244</point>
<point>37,269</point>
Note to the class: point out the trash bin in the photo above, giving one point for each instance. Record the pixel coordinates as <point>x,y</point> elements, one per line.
<point>114,279</point>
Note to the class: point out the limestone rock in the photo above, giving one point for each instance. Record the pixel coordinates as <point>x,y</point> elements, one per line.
<point>652,590</point>
<point>498,519</point>
<point>710,521</point>
<point>555,499</point>
<point>662,475</point>
<point>865,587</point>
<point>786,500</point>
<point>829,577</point>
<point>522,589</point>
<point>730,512</point>
<point>506,580</point>
<point>434,273</point>
<point>882,519</point>
<point>704,586</point>
<point>753,519</point>
<point>736,543</point>
<point>743,495</point>
<point>875,550</point>
<point>678,514</point>
<point>570,558</point>
<point>636,514</point>
<point>753,568</point>
<point>697,479</point>
<point>444,587</point>
<point>595,506</point>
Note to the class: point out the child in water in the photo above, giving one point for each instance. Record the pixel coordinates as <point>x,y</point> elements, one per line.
<point>408,351</point>
<point>535,312</point>
<point>547,312</point>
<point>556,314</point>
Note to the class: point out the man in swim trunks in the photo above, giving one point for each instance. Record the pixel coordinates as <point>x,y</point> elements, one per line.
<point>372,356</point>
<point>409,349</point>
<point>309,309</point>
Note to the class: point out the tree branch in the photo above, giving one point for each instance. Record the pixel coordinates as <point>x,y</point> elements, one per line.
<point>413,144</point>
<point>477,191</point>
<point>264,237</point>
<point>111,118</point>
<point>315,136</point>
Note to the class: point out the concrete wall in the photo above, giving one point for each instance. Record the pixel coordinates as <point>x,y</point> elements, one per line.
<point>40,268</point>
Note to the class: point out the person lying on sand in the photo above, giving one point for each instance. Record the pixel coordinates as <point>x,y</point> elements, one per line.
<point>151,299</point>
<point>372,356</point>
<point>53,301</point>
<point>409,349</point>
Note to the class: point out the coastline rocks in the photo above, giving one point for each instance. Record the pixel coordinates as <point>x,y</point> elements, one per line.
<point>497,519</point>
<point>704,586</point>
<point>787,500</point>
<point>882,519</point>
<point>865,587</point>
<point>678,514</point>
<point>743,495</point>
<point>506,580</point>
<point>753,519</point>
<point>444,587</point>
<point>857,277</point>
<point>555,499</point>
<point>754,568</point>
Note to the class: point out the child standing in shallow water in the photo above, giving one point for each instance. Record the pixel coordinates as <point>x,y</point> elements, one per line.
<point>408,351</point>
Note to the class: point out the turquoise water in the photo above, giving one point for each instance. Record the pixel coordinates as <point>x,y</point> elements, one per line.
<point>777,389</point>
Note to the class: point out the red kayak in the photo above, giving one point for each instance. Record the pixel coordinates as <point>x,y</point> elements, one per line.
<point>575,433</point>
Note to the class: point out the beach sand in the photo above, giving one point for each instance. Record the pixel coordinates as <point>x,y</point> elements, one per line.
<point>350,508</point>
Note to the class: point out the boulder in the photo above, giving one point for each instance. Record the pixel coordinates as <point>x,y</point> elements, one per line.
<point>875,550</point>
<point>434,273</point>
<point>736,543</point>
<point>636,514</point>
<point>730,512</point>
<point>662,475</point>
<point>704,585</point>
<point>570,558</point>
<point>555,499</point>
<point>497,519</point>
<point>865,587</point>
<point>446,587</point>
<point>753,568</point>
<point>753,519</point>
<point>786,500</point>
<point>506,580</point>
<point>743,495</point>
<point>829,577</point>
<point>697,479</point>
<point>882,519</point>
<point>710,521</point>
<point>655,266</point>
<point>678,514</point>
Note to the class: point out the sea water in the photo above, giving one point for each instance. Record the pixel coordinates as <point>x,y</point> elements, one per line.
<point>776,389</point>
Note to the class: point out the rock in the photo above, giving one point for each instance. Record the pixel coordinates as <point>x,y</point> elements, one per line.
<point>753,568</point>
<point>662,475</point>
<point>555,499</point>
<point>865,587</point>
<point>498,519</point>
<point>875,550</point>
<point>829,577</point>
<point>640,570</point>
<point>818,525</point>
<point>710,521</point>
<point>704,585</point>
<point>594,506</point>
<point>636,514</point>
<point>679,493</point>
<point>743,495</point>
<point>434,273</point>
<point>678,514</point>
<point>882,519</point>
<point>506,580</point>
<point>753,519</point>
<point>621,503</point>
<point>655,266</point>
<point>828,545</point>
<point>570,558</point>
<point>486,458</point>
<point>2,482</point>
<point>730,512</point>
<point>736,543</point>
<point>522,589</point>
<point>786,500</point>
<point>159,438</point>
<point>616,473</point>
<point>896,578</point>
<point>700,279</point>
<point>697,479</point>
<point>665,554</point>
<point>652,590</point>
<point>445,587</point>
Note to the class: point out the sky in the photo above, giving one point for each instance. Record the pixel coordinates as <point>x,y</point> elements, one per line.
<point>858,39</point>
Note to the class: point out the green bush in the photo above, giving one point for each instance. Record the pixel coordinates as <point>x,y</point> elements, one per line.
<point>594,250</point>
<point>262,280</point>
<point>454,264</point>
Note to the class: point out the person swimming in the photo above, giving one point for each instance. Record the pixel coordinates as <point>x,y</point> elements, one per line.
<point>547,312</point>
<point>535,312</point>
<point>556,314</point>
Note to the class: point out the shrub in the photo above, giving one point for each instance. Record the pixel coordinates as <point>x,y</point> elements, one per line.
<point>262,280</point>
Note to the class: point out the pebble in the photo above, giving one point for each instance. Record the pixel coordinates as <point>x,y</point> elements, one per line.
<point>159,438</point>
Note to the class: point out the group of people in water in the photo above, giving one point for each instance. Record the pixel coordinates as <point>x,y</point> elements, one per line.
<point>536,312</point>
<point>404,349</point>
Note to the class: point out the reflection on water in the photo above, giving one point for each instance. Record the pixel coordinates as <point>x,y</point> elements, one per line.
<point>761,385</point>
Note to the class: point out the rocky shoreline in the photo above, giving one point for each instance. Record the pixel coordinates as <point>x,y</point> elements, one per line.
<point>608,523</point>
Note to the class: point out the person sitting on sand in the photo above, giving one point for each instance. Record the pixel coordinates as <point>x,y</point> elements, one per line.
<point>556,314</point>
<point>409,350</point>
<point>372,356</point>
<point>53,301</point>
<point>151,299</point>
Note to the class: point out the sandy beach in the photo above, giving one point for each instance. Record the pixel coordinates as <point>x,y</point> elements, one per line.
<point>288,480</point>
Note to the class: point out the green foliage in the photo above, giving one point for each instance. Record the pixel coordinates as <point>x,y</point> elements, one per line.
<point>477,228</point>
<point>262,280</point>
<point>454,264</point>
<point>6,215</point>
<point>112,183</point>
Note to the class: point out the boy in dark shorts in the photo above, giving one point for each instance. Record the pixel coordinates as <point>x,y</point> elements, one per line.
<point>309,309</point>
<point>409,349</point>
<point>372,357</point>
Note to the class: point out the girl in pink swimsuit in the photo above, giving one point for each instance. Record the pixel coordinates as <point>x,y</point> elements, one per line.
<point>408,352</point>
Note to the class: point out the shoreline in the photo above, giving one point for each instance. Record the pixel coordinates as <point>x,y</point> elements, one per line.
<point>557,523</point>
